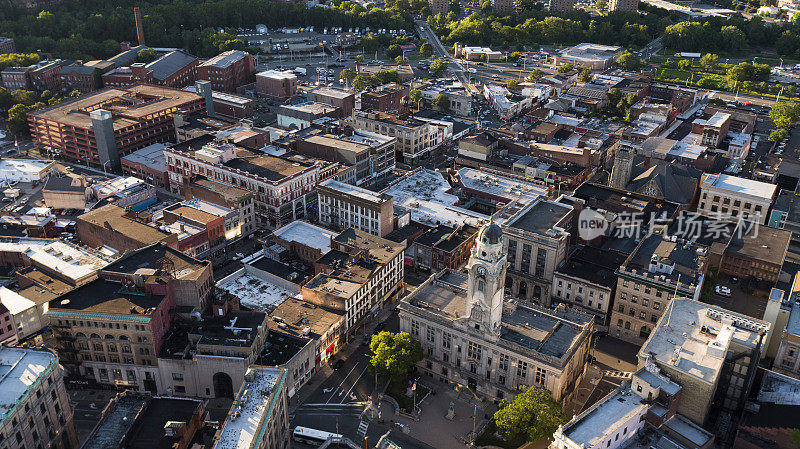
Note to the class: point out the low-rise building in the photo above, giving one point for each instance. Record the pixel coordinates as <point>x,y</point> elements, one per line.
<point>587,281</point>
<point>505,102</point>
<point>113,227</point>
<point>359,275</point>
<point>26,170</point>
<point>36,410</point>
<point>7,45</point>
<point>623,5</point>
<point>442,247</point>
<point>343,100</point>
<point>391,97</point>
<point>258,418</point>
<point>228,70</point>
<point>593,56</point>
<point>225,195</point>
<point>371,155</point>
<point>733,198</point>
<point>45,75</point>
<point>174,69</point>
<point>414,137</point>
<point>709,351</point>
<point>278,86</point>
<point>17,78</point>
<point>301,116</point>
<point>148,163</point>
<point>343,206</point>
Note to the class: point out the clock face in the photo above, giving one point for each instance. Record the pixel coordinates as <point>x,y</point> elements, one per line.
<point>481,271</point>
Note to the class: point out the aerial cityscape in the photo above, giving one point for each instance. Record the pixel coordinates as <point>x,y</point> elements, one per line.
<point>399,224</point>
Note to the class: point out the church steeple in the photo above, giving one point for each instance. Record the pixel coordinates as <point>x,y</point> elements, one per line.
<point>487,277</point>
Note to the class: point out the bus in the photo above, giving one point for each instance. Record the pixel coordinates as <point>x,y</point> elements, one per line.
<point>312,436</point>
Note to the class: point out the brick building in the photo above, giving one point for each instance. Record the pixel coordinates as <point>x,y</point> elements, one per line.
<point>276,85</point>
<point>148,163</point>
<point>443,247</point>
<point>174,69</point>
<point>7,45</point>
<point>99,128</point>
<point>83,78</point>
<point>228,70</point>
<point>386,98</point>
<point>114,227</point>
<point>340,98</point>
<point>46,76</point>
<point>15,78</point>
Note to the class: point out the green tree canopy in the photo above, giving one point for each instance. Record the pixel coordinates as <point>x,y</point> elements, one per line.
<point>536,75</point>
<point>438,67</point>
<point>146,55</point>
<point>585,75</point>
<point>533,413</point>
<point>785,114</point>
<point>393,354</point>
<point>426,50</point>
<point>564,68</point>
<point>415,96</point>
<point>710,61</point>
<point>629,61</point>
<point>441,102</point>
<point>394,51</point>
<point>512,84</point>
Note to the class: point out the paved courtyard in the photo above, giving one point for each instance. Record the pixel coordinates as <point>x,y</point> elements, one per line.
<point>433,428</point>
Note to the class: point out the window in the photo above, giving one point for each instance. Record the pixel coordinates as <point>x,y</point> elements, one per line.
<point>522,370</point>
<point>502,363</point>
<point>414,328</point>
<point>447,340</point>
<point>540,377</point>
<point>474,351</point>
<point>429,334</point>
<point>177,376</point>
<point>656,304</point>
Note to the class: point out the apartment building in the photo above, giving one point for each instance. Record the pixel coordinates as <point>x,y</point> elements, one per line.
<point>504,6</point>
<point>443,247</point>
<point>36,410</point>
<point>471,336</point>
<point>343,206</point>
<point>100,128</point>
<point>414,137</point>
<point>733,198</point>
<point>280,186</point>
<point>386,98</point>
<point>659,269</point>
<point>537,241</point>
<point>228,70</point>
<point>439,6</point>
<point>787,360</point>
<point>226,195</point>
<point>6,45</point>
<point>17,78</point>
<point>358,275</point>
<point>623,5</point>
<point>45,75</point>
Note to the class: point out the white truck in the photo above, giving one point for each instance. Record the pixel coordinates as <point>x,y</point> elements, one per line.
<point>300,71</point>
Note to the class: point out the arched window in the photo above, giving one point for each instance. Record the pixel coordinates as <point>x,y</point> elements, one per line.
<point>95,336</point>
<point>80,335</point>
<point>123,337</point>
<point>480,285</point>
<point>109,337</point>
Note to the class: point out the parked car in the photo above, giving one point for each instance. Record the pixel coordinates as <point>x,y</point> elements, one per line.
<point>722,290</point>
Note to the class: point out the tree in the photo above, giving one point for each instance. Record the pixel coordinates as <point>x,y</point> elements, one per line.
<point>685,64</point>
<point>629,61</point>
<point>6,101</point>
<point>778,134</point>
<point>394,51</point>
<point>514,56</point>
<point>393,354</point>
<point>438,67</point>
<point>416,97</point>
<point>512,84</point>
<point>585,75</point>
<point>361,82</point>
<point>536,75</point>
<point>441,102</point>
<point>533,413</point>
<point>564,68</point>
<point>18,119</point>
<point>400,60</point>
<point>785,114</point>
<point>426,50</point>
<point>348,74</point>
<point>146,55</point>
<point>710,61</point>
<point>359,59</point>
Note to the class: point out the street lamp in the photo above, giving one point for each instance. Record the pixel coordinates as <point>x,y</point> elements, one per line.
<point>104,168</point>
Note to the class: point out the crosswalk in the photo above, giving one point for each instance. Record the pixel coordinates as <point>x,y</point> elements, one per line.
<point>362,428</point>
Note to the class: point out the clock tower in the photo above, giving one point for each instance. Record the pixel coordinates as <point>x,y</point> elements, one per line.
<point>487,277</point>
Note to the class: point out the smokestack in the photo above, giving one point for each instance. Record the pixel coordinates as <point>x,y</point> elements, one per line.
<point>139,28</point>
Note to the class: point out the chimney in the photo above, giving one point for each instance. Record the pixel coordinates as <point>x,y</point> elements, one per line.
<point>139,28</point>
<point>124,46</point>
<point>138,71</point>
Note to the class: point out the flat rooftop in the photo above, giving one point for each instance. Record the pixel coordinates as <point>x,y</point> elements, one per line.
<point>355,191</point>
<point>117,422</point>
<point>25,165</point>
<point>225,59</point>
<point>539,217</point>
<point>129,105</point>
<point>147,258</point>
<point>251,409</point>
<point>594,265</point>
<point>69,261</point>
<point>268,167</point>
<point>740,186</point>
<point>509,189</point>
<point>19,369</point>
<point>113,217</point>
<point>151,156</point>
<point>307,234</point>
<point>256,293</point>
<point>604,418</point>
<point>275,74</point>
<point>148,431</point>
<point>106,298</point>
<point>297,315</point>
<point>698,336</point>
<point>380,249</point>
